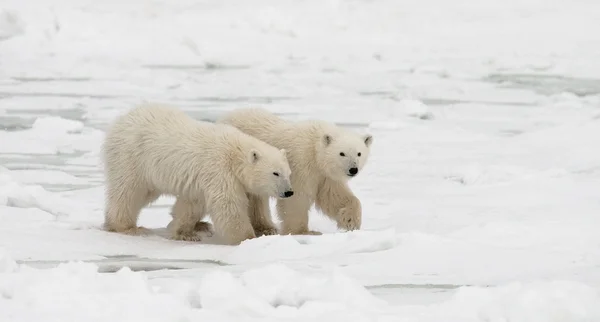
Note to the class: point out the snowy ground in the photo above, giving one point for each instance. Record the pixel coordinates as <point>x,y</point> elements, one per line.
<point>480,200</point>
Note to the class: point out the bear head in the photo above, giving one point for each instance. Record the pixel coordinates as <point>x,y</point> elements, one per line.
<point>267,172</point>
<point>342,154</point>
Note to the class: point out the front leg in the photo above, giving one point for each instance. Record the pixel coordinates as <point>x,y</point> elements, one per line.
<point>336,200</point>
<point>230,216</point>
<point>294,215</point>
<point>260,215</point>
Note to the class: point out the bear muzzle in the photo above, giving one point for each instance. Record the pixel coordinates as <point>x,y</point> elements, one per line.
<point>353,171</point>
<point>287,194</point>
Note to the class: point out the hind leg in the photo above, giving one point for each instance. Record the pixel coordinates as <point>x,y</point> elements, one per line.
<point>123,206</point>
<point>186,223</point>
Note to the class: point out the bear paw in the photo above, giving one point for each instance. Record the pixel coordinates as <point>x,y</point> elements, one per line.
<point>192,236</point>
<point>265,231</point>
<point>348,219</point>
<point>307,232</point>
<point>136,231</point>
<point>312,232</point>
<point>204,227</point>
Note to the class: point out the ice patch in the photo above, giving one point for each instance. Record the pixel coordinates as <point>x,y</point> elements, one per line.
<point>51,135</point>
<point>407,107</point>
<point>10,25</point>
<point>385,125</point>
<point>45,176</point>
<point>477,174</point>
<point>55,124</point>
<point>415,108</point>
<point>15,194</point>
<point>7,264</point>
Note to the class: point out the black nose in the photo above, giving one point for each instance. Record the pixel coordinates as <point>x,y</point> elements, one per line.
<point>353,171</point>
<point>288,193</point>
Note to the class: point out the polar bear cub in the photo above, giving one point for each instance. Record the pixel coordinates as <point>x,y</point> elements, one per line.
<point>211,168</point>
<point>322,156</point>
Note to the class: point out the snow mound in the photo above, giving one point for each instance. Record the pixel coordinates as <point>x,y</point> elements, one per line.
<point>16,194</point>
<point>397,118</point>
<point>278,290</point>
<point>415,108</point>
<point>55,124</point>
<point>10,25</point>
<point>269,248</point>
<point>77,291</point>
<point>525,302</point>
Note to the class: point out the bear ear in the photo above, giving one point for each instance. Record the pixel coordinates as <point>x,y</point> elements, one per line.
<point>253,156</point>
<point>368,138</point>
<point>327,139</point>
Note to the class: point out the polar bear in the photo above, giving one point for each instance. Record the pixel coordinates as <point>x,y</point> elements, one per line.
<point>211,168</point>
<point>322,156</point>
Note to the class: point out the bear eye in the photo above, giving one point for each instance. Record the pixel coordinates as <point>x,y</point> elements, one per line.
<point>359,153</point>
<point>276,174</point>
<point>342,154</point>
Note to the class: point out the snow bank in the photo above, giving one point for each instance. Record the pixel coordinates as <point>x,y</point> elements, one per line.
<point>76,291</point>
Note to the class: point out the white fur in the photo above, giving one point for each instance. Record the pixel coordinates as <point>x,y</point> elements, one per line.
<point>210,168</point>
<point>319,173</point>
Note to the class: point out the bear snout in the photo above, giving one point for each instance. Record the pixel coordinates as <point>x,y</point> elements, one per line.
<point>353,171</point>
<point>287,194</point>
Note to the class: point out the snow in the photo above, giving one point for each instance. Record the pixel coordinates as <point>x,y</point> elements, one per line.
<point>480,199</point>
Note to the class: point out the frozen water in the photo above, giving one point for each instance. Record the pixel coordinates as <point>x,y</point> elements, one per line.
<point>480,200</point>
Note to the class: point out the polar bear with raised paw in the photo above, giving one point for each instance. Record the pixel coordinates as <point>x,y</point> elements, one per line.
<point>323,158</point>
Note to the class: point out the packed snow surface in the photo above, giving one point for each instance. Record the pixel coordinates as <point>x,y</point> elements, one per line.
<point>480,200</point>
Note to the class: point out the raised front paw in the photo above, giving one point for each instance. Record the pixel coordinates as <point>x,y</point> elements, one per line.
<point>349,218</point>
<point>265,231</point>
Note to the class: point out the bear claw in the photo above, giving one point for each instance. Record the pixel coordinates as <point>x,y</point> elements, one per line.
<point>347,220</point>
<point>187,236</point>
<point>266,231</point>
